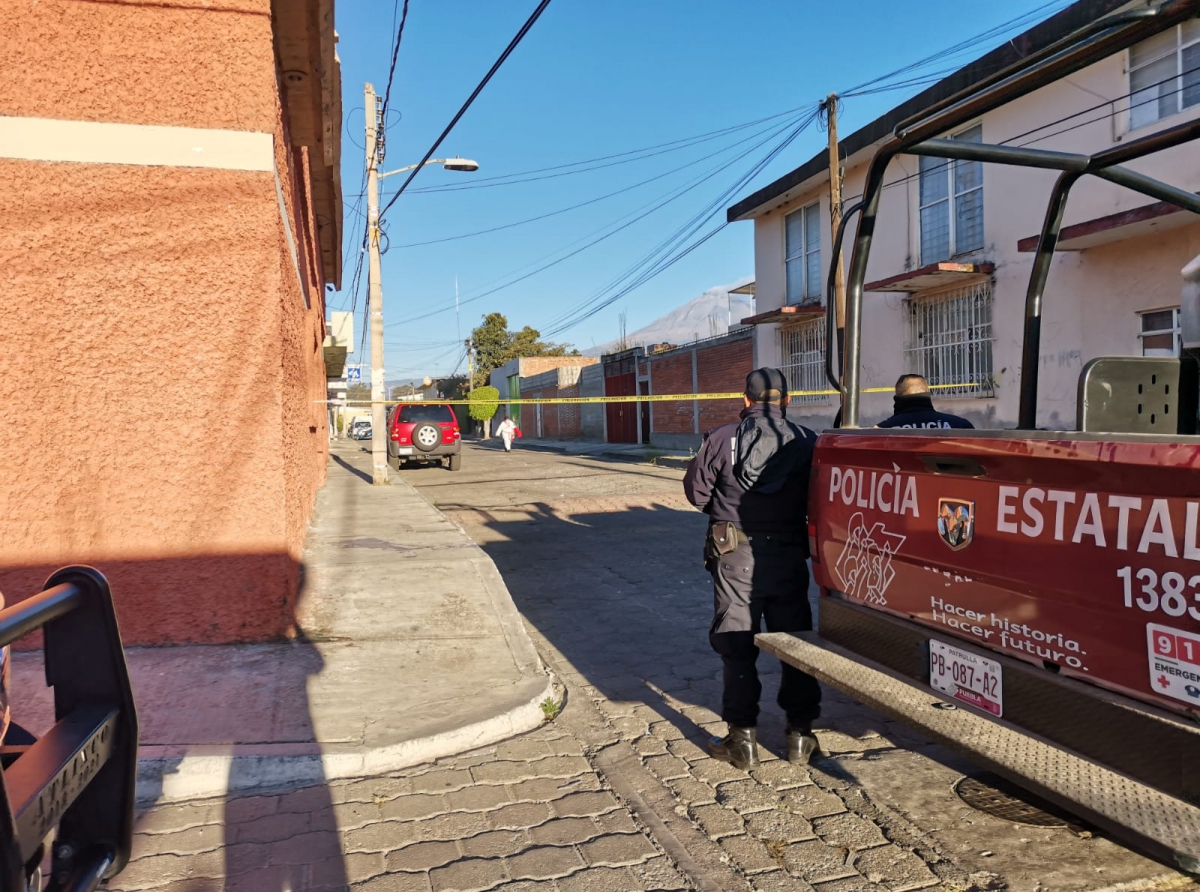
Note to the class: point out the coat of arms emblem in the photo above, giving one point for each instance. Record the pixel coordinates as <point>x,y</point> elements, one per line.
<point>956,523</point>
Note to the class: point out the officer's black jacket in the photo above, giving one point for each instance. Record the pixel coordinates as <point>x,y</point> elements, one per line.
<point>918,411</point>
<point>711,485</point>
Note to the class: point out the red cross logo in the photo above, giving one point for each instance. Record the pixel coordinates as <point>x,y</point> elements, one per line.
<point>1163,682</point>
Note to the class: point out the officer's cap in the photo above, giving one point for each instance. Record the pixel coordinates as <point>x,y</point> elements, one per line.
<point>766,385</point>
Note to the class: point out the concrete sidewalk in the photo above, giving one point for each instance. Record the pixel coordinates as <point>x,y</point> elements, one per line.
<point>410,650</point>
<point>672,458</point>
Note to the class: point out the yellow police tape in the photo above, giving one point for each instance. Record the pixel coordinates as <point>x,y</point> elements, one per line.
<point>631,398</point>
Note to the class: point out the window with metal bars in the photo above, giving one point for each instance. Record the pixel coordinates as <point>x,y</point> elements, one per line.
<point>802,359</point>
<point>1161,333</point>
<point>951,204</point>
<point>950,340</point>
<point>1164,74</point>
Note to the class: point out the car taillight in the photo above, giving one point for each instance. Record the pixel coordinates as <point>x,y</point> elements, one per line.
<point>395,435</point>
<point>812,543</point>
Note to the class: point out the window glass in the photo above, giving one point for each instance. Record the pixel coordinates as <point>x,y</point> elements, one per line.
<point>438,414</point>
<point>1155,48</point>
<point>794,224</point>
<point>1154,90</point>
<point>968,222</point>
<point>1160,320</point>
<point>934,186</point>
<point>1191,76</point>
<point>812,247</point>
<point>935,232</point>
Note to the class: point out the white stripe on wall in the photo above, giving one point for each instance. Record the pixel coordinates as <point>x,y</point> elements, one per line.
<point>94,142</point>
<point>143,145</point>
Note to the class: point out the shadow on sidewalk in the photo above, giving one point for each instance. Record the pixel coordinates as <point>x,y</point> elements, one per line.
<point>362,475</point>
<point>195,701</point>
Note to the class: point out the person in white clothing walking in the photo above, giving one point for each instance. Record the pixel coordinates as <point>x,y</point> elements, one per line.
<point>507,430</point>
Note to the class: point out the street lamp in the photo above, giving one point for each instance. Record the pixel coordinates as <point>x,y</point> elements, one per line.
<point>466,165</point>
<point>379,433</point>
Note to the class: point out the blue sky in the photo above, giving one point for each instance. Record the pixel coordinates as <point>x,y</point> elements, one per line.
<point>593,79</point>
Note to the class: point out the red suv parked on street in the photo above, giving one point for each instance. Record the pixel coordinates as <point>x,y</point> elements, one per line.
<point>425,433</point>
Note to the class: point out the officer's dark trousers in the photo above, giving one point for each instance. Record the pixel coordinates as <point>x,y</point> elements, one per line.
<point>765,579</point>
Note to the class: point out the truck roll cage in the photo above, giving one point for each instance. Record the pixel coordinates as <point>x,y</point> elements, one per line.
<point>77,780</point>
<point>918,135</point>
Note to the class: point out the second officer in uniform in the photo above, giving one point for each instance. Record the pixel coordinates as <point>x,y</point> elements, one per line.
<point>751,478</point>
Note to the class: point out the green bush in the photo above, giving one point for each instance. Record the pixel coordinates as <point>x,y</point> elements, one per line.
<point>484,403</point>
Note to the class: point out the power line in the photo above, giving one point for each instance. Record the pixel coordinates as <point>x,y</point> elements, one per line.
<point>671,196</point>
<point>520,35</point>
<point>657,260</point>
<point>573,207</point>
<point>643,153</point>
<point>387,92</point>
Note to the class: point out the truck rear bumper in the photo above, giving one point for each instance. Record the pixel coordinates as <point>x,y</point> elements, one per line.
<point>1125,806</point>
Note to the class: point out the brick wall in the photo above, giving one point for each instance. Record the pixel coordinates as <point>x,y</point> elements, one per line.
<point>672,373</point>
<point>591,415</point>
<point>722,368</point>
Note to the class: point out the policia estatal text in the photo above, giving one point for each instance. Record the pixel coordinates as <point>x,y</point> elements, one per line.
<point>751,478</point>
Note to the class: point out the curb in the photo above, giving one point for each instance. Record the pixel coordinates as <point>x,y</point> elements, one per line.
<point>165,777</point>
<point>172,773</point>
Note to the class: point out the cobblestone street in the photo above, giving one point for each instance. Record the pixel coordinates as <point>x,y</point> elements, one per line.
<point>616,793</point>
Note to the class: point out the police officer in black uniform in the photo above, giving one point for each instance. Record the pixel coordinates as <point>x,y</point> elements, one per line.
<point>913,408</point>
<point>751,478</point>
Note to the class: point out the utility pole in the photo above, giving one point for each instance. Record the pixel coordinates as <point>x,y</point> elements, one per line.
<point>835,220</point>
<point>470,365</point>
<point>379,471</point>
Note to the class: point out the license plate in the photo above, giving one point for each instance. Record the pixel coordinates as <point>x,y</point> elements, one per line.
<point>966,677</point>
<point>404,450</point>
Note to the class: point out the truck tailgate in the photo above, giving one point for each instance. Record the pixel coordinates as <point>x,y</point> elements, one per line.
<point>1080,555</point>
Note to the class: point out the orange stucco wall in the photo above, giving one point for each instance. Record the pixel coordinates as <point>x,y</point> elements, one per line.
<point>163,366</point>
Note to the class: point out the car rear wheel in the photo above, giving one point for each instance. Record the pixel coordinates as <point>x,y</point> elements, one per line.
<point>427,436</point>
<point>456,462</point>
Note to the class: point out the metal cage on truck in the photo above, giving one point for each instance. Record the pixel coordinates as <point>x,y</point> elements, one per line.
<point>1102,743</point>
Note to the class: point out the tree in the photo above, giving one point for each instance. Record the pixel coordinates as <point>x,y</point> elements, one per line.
<point>402,391</point>
<point>495,345</point>
<point>452,388</point>
<point>484,403</point>
<point>358,393</point>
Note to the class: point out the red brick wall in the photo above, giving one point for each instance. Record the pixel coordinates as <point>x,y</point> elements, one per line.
<point>672,373</point>
<point>722,368</point>
<point>568,415</point>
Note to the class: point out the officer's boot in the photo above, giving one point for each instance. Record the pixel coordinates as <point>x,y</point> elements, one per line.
<point>739,747</point>
<point>801,744</point>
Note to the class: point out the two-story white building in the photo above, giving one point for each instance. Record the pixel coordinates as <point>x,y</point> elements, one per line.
<point>954,240</point>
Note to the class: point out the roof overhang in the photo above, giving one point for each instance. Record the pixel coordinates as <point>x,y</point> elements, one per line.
<point>1149,218</point>
<point>748,288</point>
<point>863,141</point>
<point>311,80</point>
<point>791,313</point>
<point>935,275</point>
